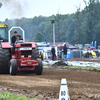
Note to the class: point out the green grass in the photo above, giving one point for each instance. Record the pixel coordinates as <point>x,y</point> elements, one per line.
<point>82,67</point>
<point>46,64</point>
<point>11,96</point>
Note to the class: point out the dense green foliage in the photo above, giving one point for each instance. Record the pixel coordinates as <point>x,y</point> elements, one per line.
<point>79,27</point>
<point>38,37</point>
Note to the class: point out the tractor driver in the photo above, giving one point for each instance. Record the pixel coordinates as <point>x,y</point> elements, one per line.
<point>14,38</point>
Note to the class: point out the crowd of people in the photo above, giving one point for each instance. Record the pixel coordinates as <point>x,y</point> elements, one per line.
<point>64,50</point>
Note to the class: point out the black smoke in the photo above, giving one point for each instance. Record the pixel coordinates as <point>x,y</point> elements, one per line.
<point>0,5</point>
<point>17,9</point>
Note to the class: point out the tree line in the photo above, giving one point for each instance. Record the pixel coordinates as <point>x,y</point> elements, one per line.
<point>81,27</point>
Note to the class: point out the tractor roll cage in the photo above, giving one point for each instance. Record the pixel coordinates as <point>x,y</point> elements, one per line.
<point>20,29</point>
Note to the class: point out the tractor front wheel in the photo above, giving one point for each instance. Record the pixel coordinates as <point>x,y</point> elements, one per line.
<point>35,53</point>
<point>39,68</point>
<point>13,67</point>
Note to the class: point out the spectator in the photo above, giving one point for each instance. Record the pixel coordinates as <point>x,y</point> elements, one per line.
<point>65,52</point>
<point>53,52</point>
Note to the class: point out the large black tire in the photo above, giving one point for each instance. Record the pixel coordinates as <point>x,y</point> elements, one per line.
<point>39,68</point>
<point>35,53</point>
<point>41,57</point>
<point>5,55</point>
<point>13,67</point>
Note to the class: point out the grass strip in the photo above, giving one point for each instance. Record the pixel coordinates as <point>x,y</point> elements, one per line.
<point>11,96</point>
<point>82,67</point>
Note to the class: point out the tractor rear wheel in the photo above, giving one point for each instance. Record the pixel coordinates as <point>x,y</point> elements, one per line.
<point>39,68</point>
<point>35,53</point>
<point>13,67</point>
<point>4,60</point>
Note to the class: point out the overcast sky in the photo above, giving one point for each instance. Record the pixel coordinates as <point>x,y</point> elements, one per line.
<point>30,8</point>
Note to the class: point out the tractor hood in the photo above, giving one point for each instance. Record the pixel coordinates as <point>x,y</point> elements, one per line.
<point>26,44</point>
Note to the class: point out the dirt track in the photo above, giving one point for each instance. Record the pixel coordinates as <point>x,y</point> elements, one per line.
<point>81,83</point>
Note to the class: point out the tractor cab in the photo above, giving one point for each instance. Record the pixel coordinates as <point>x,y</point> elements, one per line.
<point>3,33</point>
<point>18,40</point>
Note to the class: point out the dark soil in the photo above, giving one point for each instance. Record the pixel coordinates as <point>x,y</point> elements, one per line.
<point>81,83</point>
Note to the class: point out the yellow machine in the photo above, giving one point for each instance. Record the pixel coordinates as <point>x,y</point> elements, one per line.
<point>3,25</point>
<point>3,33</point>
<point>90,51</point>
<point>41,55</point>
<point>40,52</point>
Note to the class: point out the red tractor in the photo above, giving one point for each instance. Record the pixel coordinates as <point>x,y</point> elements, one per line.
<point>23,56</point>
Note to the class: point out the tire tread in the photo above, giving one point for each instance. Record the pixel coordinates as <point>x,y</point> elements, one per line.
<point>4,58</point>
